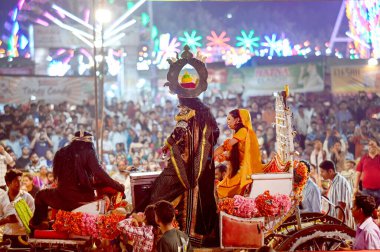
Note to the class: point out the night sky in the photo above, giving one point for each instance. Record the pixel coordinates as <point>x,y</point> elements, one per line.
<point>297,20</point>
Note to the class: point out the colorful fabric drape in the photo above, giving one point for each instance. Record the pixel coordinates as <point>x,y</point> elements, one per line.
<point>250,159</point>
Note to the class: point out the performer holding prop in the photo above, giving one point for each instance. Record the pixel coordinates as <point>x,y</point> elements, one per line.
<point>188,180</point>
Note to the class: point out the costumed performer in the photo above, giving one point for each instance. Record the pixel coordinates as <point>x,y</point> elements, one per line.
<point>77,171</point>
<point>243,153</point>
<point>190,170</point>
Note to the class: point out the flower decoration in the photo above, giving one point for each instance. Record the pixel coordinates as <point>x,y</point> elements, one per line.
<point>226,205</point>
<point>97,226</point>
<point>245,207</point>
<point>300,177</point>
<point>284,203</point>
<point>267,204</point>
<point>264,205</point>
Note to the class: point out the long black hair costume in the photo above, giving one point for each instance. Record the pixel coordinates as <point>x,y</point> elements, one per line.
<point>75,167</point>
<point>188,180</point>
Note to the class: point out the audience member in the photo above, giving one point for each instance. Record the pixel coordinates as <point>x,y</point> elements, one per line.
<point>141,230</point>
<point>172,239</point>
<point>312,199</point>
<point>29,186</point>
<point>24,159</point>
<point>13,227</point>
<point>41,143</point>
<point>5,159</point>
<point>367,233</point>
<point>368,170</point>
<point>35,163</point>
<point>339,193</point>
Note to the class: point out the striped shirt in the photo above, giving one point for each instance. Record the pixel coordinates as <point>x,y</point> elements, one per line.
<point>340,191</point>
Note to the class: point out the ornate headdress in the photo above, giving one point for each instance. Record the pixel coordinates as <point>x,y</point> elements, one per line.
<point>188,88</point>
<point>83,136</point>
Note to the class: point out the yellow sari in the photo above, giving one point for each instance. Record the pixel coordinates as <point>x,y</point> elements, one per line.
<point>249,164</point>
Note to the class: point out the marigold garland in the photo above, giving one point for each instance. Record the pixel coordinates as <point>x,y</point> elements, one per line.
<point>97,226</point>
<point>226,205</point>
<point>266,204</point>
<point>300,176</point>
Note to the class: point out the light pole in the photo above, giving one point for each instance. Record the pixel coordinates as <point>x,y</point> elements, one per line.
<point>101,16</point>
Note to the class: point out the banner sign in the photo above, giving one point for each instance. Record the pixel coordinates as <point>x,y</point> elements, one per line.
<point>18,90</point>
<point>307,77</point>
<point>352,79</point>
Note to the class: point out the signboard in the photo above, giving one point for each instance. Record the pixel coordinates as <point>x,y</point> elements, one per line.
<point>352,79</point>
<point>307,77</point>
<point>19,90</point>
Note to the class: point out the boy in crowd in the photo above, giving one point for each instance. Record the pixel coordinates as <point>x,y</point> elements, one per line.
<point>172,239</point>
<point>13,227</point>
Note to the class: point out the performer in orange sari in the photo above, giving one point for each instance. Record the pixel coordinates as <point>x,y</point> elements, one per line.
<point>243,153</point>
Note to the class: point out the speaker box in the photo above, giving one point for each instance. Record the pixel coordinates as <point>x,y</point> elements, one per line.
<point>141,185</point>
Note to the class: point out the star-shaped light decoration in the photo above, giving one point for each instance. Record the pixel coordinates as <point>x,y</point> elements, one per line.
<point>218,41</point>
<point>274,45</point>
<point>248,41</point>
<point>192,40</point>
<point>168,49</point>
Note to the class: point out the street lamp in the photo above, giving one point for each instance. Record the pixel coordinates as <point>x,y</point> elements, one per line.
<point>372,62</point>
<point>101,16</point>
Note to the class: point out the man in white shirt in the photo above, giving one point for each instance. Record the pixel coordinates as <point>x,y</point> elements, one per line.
<point>122,176</point>
<point>5,159</point>
<point>13,227</point>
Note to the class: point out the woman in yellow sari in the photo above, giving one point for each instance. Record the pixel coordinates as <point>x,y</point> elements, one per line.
<point>243,153</point>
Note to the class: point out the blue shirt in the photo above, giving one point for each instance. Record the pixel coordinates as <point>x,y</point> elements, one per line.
<point>311,201</point>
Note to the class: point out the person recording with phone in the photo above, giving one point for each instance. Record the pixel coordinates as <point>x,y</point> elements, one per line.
<point>41,143</point>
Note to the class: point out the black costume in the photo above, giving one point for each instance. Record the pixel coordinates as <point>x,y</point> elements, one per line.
<point>190,172</point>
<point>76,169</point>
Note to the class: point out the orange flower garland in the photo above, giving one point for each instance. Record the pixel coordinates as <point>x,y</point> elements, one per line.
<point>267,204</point>
<point>226,205</point>
<point>98,226</point>
<point>300,176</point>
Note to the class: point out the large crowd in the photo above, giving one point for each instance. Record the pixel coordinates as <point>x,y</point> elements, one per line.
<point>337,138</point>
<point>134,132</point>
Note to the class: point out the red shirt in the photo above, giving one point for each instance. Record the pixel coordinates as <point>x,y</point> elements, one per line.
<point>370,168</point>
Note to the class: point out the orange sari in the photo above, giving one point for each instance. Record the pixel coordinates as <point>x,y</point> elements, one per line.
<point>250,159</point>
